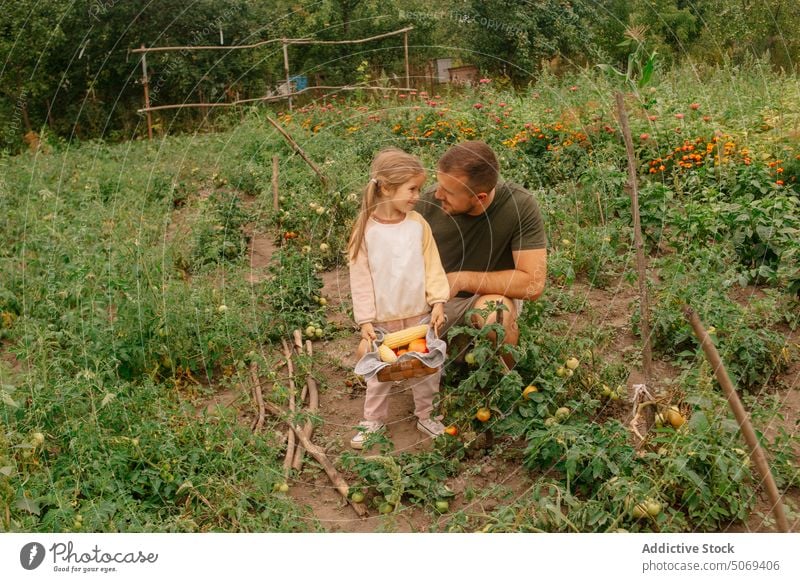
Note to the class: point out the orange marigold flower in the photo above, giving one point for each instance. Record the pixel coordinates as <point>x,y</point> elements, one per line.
<point>779,170</point>
<point>779,182</point>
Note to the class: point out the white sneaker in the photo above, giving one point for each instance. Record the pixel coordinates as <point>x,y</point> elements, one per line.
<point>366,427</point>
<point>430,427</point>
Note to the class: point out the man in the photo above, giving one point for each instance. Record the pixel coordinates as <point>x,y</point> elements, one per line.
<point>490,236</point>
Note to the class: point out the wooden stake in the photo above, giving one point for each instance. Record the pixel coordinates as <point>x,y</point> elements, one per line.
<point>600,208</point>
<point>641,265</point>
<point>341,485</point>
<point>275,205</point>
<point>258,395</point>
<point>146,83</point>
<point>286,70</point>
<point>300,151</point>
<point>756,452</point>
<point>297,337</point>
<point>313,406</point>
<point>405,50</point>
<point>287,460</point>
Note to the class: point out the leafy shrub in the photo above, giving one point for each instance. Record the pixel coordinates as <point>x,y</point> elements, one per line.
<point>417,478</point>
<point>750,351</point>
<point>291,292</point>
<point>218,235</point>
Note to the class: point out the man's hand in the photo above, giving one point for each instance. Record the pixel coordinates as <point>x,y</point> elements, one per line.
<point>437,317</point>
<point>525,281</point>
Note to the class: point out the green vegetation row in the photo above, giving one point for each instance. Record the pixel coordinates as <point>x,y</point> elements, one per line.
<point>126,304</point>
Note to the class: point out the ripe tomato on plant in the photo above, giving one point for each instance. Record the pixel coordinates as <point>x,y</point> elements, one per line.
<point>531,389</point>
<point>483,414</point>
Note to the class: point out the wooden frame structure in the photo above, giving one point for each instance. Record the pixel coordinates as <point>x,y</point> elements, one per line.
<point>285,42</point>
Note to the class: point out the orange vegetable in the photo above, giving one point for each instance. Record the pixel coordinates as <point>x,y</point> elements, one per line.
<point>418,345</point>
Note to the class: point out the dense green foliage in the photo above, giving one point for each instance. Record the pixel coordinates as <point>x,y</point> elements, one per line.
<point>68,70</point>
<point>127,305</point>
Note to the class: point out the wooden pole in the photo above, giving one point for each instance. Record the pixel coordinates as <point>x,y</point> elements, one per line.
<point>146,83</point>
<point>263,42</point>
<point>338,89</point>
<point>641,265</point>
<point>340,484</point>
<point>756,452</point>
<point>313,406</point>
<point>405,50</point>
<point>300,151</point>
<point>259,395</point>
<point>290,437</point>
<point>286,69</point>
<point>275,204</point>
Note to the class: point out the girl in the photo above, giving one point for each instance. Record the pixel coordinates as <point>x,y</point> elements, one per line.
<point>396,279</point>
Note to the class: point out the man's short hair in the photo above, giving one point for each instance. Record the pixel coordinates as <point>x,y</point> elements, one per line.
<point>476,161</point>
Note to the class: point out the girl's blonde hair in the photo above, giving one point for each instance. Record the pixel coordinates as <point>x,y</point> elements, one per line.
<point>391,168</point>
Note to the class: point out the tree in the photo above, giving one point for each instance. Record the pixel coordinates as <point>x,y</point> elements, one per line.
<point>30,37</point>
<point>514,37</point>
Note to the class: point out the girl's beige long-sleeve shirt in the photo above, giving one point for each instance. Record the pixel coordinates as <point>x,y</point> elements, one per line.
<point>398,272</point>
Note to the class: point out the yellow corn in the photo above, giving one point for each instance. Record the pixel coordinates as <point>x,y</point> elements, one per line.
<point>386,354</point>
<point>400,338</point>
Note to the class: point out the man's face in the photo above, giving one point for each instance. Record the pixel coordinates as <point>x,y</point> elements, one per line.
<point>453,193</point>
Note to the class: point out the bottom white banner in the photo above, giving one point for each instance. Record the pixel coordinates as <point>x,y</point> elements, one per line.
<point>348,557</point>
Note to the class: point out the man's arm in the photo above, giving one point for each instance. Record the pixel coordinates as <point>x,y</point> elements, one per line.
<point>526,281</point>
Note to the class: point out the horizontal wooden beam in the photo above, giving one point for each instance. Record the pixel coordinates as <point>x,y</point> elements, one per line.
<point>155,49</point>
<point>269,98</point>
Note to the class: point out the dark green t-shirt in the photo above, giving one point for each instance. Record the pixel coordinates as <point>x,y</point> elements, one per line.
<point>512,222</point>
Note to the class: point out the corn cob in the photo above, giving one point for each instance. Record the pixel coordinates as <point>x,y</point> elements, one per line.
<point>400,338</point>
<point>386,354</point>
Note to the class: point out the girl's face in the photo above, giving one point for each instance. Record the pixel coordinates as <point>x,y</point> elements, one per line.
<point>405,196</point>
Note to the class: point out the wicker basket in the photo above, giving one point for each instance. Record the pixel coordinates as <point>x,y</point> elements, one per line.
<point>409,368</point>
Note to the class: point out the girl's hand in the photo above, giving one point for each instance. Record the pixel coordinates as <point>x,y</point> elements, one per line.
<point>437,317</point>
<point>368,332</point>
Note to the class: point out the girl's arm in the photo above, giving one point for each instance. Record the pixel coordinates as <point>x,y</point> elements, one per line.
<point>368,332</point>
<point>362,290</point>
<point>437,288</point>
